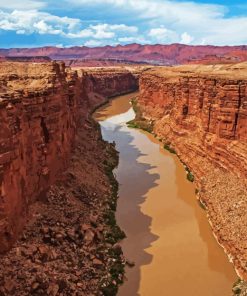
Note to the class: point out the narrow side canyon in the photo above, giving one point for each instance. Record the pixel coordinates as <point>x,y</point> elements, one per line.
<point>201,113</point>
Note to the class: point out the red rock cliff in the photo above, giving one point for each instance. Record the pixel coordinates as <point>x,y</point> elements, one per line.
<point>41,107</point>
<point>109,81</point>
<point>202,112</point>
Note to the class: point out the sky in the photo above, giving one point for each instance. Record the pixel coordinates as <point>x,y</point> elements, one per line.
<point>65,23</point>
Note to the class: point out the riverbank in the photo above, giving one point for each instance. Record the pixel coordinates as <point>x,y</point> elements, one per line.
<point>205,145</point>
<point>69,245</point>
<point>168,235</point>
<point>57,181</point>
<point>140,122</point>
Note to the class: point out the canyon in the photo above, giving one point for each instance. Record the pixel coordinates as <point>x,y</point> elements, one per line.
<point>55,192</point>
<point>56,171</point>
<point>170,239</point>
<point>173,54</point>
<point>200,113</point>
<point>41,108</point>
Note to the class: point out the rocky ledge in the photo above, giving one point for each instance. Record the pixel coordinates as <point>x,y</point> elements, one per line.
<point>200,112</point>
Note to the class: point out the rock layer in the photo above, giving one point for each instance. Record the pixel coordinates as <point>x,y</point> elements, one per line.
<point>201,111</point>
<point>157,54</point>
<point>42,106</point>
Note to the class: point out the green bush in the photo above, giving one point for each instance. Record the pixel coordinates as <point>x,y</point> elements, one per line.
<point>190,177</point>
<point>168,148</point>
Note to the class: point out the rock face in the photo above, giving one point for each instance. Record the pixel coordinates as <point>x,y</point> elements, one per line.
<point>201,111</point>
<point>41,107</point>
<point>109,81</point>
<point>172,54</point>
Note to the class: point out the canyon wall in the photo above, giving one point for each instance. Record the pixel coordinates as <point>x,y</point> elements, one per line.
<point>41,107</point>
<point>201,111</point>
<point>109,82</point>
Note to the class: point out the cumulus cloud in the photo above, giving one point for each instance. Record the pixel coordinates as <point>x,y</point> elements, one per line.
<point>136,39</point>
<point>103,31</point>
<point>208,23</point>
<point>33,21</point>
<point>81,34</point>
<point>141,21</point>
<point>162,35</point>
<point>17,4</point>
<point>186,38</point>
<point>93,43</point>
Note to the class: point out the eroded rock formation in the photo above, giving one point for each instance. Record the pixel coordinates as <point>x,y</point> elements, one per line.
<point>201,111</point>
<point>42,107</point>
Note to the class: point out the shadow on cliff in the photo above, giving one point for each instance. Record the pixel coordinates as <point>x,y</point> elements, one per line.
<point>135,181</point>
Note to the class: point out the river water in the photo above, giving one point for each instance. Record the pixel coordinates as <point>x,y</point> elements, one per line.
<point>168,235</point>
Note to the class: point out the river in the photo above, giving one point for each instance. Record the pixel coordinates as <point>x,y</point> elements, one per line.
<point>168,235</point>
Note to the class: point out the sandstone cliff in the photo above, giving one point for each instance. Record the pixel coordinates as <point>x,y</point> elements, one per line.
<point>109,82</point>
<point>201,111</point>
<point>42,107</point>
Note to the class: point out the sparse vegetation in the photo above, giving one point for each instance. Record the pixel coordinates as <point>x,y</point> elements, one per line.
<point>202,205</point>
<point>190,176</point>
<point>134,105</point>
<point>132,124</point>
<point>139,121</point>
<point>141,124</point>
<point>170,149</point>
<point>109,286</point>
<point>237,287</point>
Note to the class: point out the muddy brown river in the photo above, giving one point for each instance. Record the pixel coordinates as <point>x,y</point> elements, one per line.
<point>168,235</point>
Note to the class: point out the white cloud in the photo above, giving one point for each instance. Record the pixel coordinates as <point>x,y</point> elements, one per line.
<point>149,21</point>
<point>93,43</point>
<point>124,28</point>
<point>81,34</point>
<point>136,39</point>
<point>17,4</point>
<point>127,39</point>
<point>43,28</point>
<point>162,35</point>
<point>33,21</point>
<point>103,31</point>
<point>205,22</point>
<point>166,9</point>
<point>186,38</point>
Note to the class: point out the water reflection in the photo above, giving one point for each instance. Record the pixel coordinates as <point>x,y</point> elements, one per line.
<point>136,224</point>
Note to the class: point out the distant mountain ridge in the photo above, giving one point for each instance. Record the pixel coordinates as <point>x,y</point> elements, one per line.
<point>172,54</point>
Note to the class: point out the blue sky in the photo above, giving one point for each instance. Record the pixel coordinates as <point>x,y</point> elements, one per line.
<point>63,23</point>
